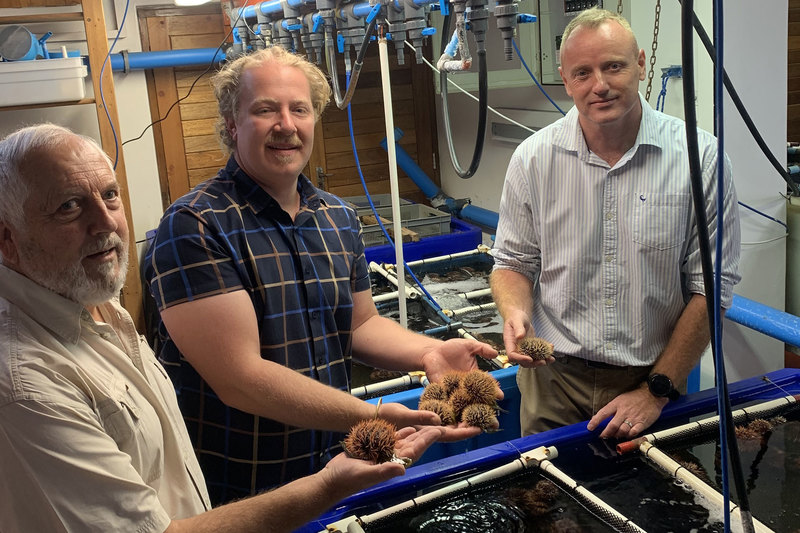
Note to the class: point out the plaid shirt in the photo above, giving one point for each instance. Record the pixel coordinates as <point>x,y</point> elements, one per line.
<point>226,235</point>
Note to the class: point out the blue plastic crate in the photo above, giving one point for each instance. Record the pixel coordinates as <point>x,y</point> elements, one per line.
<point>462,236</point>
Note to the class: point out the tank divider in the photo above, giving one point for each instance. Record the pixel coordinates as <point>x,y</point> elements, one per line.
<point>676,470</point>
<point>537,458</point>
<point>699,427</point>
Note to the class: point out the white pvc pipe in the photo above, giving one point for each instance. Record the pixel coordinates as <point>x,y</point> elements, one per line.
<point>712,422</point>
<point>479,293</point>
<point>470,309</point>
<point>481,249</point>
<point>371,388</point>
<point>397,222</point>
<point>385,297</point>
<point>391,277</point>
<point>675,469</point>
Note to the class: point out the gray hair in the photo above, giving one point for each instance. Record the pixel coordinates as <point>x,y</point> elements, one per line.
<point>593,18</point>
<point>16,150</point>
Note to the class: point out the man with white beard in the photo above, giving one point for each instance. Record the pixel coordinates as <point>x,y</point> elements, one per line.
<point>91,437</point>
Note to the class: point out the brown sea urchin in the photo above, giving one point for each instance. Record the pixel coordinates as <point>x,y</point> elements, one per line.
<point>441,408</point>
<point>434,391</point>
<point>459,400</point>
<point>481,386</point>
<point>535,347</point>
<point>480,415</point>
<point>371,440</point>
<point>451,381</point>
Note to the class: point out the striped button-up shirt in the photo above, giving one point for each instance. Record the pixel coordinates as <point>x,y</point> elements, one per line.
<point>228,234</point>
<point>612,252</point>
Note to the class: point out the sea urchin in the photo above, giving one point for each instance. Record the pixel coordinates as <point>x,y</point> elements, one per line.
<point>481,387</point>
<point>441,408</point>
<point>480,415</point>
<point>371,440</point>
<point>536,348</point>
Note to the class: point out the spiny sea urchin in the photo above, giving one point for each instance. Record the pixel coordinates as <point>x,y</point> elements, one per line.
<point>480,415</point>
<point>434,391</point>
<point>536,501</point>
<point>371,440</point>
<point>459,400</point>
<point>760,426</point>
<point>481,386</point>
<point>535,347</point>
<point>451,381</point>
<point>441,408</point>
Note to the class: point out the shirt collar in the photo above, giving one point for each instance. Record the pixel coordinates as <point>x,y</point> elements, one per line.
<point>60,315</point>
<point>571,136</point>
<point>261,199</point>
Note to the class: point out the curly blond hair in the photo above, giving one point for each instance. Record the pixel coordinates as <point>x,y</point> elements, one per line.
<point>227,81</point>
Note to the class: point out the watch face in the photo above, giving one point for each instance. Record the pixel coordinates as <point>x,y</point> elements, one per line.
<point>660,385</point>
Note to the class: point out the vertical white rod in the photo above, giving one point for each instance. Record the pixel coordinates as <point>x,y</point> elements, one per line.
<point>394,186</point>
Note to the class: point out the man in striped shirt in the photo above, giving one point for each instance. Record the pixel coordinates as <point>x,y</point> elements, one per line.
<point>264,294</point>
<point>597,248</point>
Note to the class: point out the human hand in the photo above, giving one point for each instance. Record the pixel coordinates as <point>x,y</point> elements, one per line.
<point>455,355</point>
<point>401,416</point>
<point>517,326</point>
<point>632,412</point>
<point>345,475</point>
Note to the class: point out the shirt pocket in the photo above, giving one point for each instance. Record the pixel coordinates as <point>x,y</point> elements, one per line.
<point>130,422</point>
<point>659,220</point>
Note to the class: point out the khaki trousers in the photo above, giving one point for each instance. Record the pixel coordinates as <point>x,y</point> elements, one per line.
<point>571,390</point>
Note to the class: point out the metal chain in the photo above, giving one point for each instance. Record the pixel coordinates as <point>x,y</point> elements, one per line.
<point>619,7</point>
<point>653,55</point>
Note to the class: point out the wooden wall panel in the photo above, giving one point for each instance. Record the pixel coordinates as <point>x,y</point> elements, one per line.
<point>191,137</point>
<point>190,152</point>
<point>793,73</point>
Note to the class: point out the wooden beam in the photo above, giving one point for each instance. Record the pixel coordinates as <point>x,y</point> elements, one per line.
<point>95,24</point>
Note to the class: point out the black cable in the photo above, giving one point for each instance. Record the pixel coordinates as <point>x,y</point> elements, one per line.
<point>483,107</point>
<point>191,87</point>
<point>751,127</point>
<point>687,14</point>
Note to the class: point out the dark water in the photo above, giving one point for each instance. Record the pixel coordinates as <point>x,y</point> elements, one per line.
<point>444,282</point>
<point>630,484</point>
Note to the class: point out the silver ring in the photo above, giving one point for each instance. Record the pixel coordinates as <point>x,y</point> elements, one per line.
<point>630,424</point>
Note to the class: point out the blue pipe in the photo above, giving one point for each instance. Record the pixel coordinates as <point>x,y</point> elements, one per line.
<point>167,58</point>
<point>482,217</point>
<point>410,167</point>
<point>272,7</point>
<point>764,319</point>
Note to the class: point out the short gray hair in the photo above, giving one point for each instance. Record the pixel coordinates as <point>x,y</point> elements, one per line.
<point>16,149</point>
<point>595,17</point>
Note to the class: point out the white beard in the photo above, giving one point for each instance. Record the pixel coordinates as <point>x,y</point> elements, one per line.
<point>72,281</point>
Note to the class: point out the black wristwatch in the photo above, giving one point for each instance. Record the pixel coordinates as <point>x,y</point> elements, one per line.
<point>661,387</point>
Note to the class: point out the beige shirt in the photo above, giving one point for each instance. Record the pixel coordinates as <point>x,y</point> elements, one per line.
<point>91,437</point>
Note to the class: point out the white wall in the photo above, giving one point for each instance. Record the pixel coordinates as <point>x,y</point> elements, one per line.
<point>132,104</point>
<point>755,58</point>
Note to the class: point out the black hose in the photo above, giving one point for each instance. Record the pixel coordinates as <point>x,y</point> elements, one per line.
<point>343,101</point>
<point>687,14</point>
<point>483,106</point>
